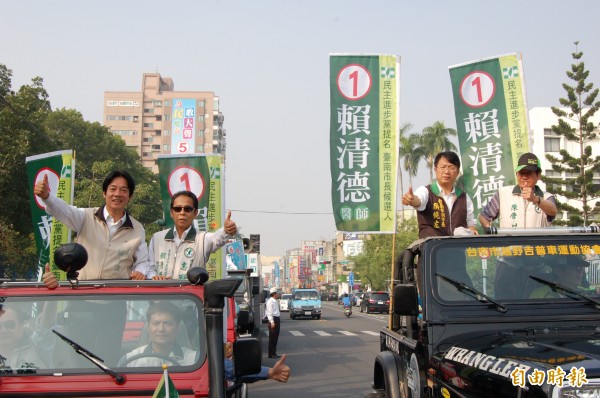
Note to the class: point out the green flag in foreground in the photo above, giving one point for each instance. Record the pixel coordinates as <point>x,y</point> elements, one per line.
<point>165,387</point>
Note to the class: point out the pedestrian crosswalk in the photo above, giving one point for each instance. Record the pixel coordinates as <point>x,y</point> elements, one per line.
<point>297,333</point>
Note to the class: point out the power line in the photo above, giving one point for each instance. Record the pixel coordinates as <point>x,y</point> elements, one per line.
<point>279,212</point>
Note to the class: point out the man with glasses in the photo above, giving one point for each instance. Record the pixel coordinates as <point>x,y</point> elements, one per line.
<point>523,205</point>
<point>174,251</point>
<point>442,208</point>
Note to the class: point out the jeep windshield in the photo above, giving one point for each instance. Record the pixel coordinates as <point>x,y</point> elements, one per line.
<point>507,269</point>
<point>129,333</point>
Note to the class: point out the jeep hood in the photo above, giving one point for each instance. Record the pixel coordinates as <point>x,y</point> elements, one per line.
<point>473,362</point>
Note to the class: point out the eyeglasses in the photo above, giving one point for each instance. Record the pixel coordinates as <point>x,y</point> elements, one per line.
<point>447,167</point>
<point>187,209</point>
<point>8,325</point>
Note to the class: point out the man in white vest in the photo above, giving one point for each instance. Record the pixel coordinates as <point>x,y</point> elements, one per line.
<point>174,251</point>
<point>523,205</point>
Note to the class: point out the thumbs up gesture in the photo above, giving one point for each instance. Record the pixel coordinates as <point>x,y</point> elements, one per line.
<point>409,199</point>
<point>42,188</point>
<point>229,225</point>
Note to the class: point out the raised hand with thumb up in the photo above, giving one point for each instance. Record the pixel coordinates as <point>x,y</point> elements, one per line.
<point>409,199</point>
<point>42,188</point>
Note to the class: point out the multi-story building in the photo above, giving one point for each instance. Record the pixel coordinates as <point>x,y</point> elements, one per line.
<point>546,141</point>
<point>159,120</point>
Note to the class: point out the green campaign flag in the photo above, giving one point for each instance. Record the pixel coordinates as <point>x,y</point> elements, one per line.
<point>201,174</point>
<point>363,141</point>
<point>491,121</point>
<point>50,234</point>
<point>165,387</point>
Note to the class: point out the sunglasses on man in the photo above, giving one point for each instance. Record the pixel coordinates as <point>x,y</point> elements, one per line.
<point>178,209</point>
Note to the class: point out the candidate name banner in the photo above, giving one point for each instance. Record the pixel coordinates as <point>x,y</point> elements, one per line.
<point>364,141</point>
<point>49,234</point>
<point>200,174</point>
<point>491,121</point>
<point>183,126</point>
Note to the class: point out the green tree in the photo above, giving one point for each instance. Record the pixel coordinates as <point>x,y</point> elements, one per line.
<point>434,139</point>
<point>29,127</point>
<point>412,153</point>
<point>374,264</point>
<point>574,125</point>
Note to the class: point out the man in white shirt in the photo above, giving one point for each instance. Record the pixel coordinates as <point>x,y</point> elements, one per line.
<point>163,321</point>
<point>174,251</point>
<point>273,315</point>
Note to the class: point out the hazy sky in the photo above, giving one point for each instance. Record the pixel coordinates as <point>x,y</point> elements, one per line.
<point>268,61</point>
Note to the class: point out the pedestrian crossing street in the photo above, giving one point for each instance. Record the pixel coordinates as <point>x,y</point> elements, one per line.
<point>323,333</point>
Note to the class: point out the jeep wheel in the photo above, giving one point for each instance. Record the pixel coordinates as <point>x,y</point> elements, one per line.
<point>318,317</point>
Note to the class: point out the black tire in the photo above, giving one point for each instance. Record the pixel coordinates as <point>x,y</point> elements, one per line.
<point>318,317</point>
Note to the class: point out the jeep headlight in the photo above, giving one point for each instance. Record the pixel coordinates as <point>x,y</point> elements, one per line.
<point>585,391</point>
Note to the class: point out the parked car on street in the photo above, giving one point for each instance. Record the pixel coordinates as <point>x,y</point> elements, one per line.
<point>375,301</point>
<point>284,302</point>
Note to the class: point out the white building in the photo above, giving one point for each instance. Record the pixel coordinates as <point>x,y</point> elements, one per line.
<point>545,141</point>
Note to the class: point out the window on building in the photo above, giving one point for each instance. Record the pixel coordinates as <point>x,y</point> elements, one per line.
<point>201,118</point>
<point>149,125</point>
<point>166,132</point>
<point>157,132</point>
<point>135,119</point>
<point>551,141</point>
<point>145,154</point>
<point>166,103</point>
<point>167,117</point>
<point>200,133</point>
<point>156,147</point>
<point>166,148</point>
<point>552,174</point>
<point>148,110</point>
<point>157,103</point>
<point>121,117</point>
<point>158,118</point>
<point>146,139</point>
<point>112,103</point>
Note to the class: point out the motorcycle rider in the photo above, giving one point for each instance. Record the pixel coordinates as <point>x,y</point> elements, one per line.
<point>346,302</point>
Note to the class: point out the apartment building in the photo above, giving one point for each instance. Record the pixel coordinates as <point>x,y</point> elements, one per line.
<point>159,120</point>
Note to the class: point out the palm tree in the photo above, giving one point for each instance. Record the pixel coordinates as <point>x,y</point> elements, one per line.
<point>434,139</point>
<point>412,153</point>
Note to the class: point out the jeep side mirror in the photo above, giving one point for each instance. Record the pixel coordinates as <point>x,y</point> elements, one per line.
<point>405,300</point>
<point>246,356</point>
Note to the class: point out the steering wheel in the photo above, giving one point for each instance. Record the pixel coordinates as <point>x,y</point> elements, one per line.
<point>152,355</point>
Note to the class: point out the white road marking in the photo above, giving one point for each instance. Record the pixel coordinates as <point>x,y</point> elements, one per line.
<point>347,333</point>
<point>322,333</point>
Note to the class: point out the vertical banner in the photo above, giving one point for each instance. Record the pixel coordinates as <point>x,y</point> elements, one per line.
<point>235,257</point>
<point>50,234</point>
<point>183,126</point>
<point>364,141</point>
<point>202,175</point>
<point>491,121</point>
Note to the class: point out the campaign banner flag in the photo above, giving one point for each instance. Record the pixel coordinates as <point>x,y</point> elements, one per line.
<point>235,256</point>
<point>49,234</point>
<point>166,387</point>
<point>183,126</point>
<point>202,175</point>
<point>491,122</point>
<point>363,141</point>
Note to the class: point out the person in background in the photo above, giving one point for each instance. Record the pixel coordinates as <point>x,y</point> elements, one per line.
<point>568,271</point>
<point>115,241</point>
<point>442,208</point>
<point>279,372</point>
<point>523,205</point>
<point>174,251</point>
<point>273,315</point>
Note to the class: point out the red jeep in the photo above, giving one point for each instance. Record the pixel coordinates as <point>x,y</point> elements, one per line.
<point>90,339</point>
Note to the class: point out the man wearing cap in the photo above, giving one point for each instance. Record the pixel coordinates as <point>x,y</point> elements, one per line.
<point>272,313</point>
<point>523,205</point>
<point>567,271</point>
